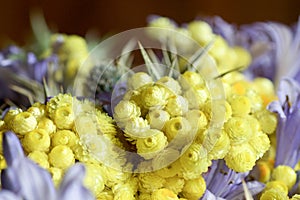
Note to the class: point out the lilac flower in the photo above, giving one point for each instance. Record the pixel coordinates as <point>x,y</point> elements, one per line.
<point>288,127</point>
<point>23,70</point>
<point>224,183</point>
<point>275,49</point>
<point>23,179</point>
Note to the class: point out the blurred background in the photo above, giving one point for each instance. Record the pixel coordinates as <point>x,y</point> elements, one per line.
<point>112,16</point>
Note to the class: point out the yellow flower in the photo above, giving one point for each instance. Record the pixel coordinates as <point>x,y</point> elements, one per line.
<point>56,174</point>
<point>64,117</point>
<point>174,184</point>
<point>177,127</point>
<point>240,105</point>
<point>190,79</point>
<point>157,118</point>
<point>23,123</point>
<point>94,179</point>
<point>40,158</point>
<point>238,130</point>
<point>61,156</point>
<point>201,32</point>
<point>221,147</point>
<point>149,182</point>
<point>47,125</point>
<point>126,110</point>
<point>171,84</point>
<point>138,80</point>
<point>153,96</point>
<point>163,194</point>
<point>194,189</point>
<point>240,158</point>
<point>273,194</point>
<point>65,137</point>
<point>149,147</point>
<point>278,185</point>
<point>36,140</point>
<point>177,106</point>
<point>285,174</point>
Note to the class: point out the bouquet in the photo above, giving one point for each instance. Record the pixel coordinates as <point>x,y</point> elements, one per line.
<point>203,110</point>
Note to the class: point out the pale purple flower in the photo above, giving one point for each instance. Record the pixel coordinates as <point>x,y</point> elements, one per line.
<point>275,48</point>
<point>224,183</point>
<point>24,179</point>
<point>288,126</point>
<point>18,67</point>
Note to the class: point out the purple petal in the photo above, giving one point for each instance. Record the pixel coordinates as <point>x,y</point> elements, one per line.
<point>12,148</point>
<point>254,188</point>
<point>7,195</point>
<point>208,195</point>
<point>72,185</point>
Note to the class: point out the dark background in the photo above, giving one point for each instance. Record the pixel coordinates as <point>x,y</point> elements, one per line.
<point>79,16</point>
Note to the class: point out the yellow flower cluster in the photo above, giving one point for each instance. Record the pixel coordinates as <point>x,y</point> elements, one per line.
<point>65,131</point>
<point>249,123</point>
<point>224,56</point>
<point>161,119</point>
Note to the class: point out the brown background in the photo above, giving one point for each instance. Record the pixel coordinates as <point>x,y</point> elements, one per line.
<point>78,16</point>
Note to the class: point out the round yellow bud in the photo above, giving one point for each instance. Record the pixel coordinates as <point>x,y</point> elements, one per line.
<point>61,156</point>
<point>136,127</point>
<point>195,156</point>
<point>219,49</point>
<point>56,174</point>
<point>196,118</point>
<point>36,112</point>
<point>9,116</point>
<point>196,97</point>
<point>36,140</point>
<point>163,194</point>
<point>295,197</point>
<point>149,147</point>
<point>267,120</point>
<point>47,125</point>
<point>174,184</point>
<point>238,130</point>
<point>191,79</point>
<point>278,185</point>
<point>201,32</point>
<point>240,158</point>
<point>64,117</point>
<point>65,137</point>
<point>138,80</point>
<point>260,143</point>
<point>171,84</point>
<point>94,178</point>
<point>176,126</point>
<point>126,110</point>
<point>157,118</point>
<point>153,96</point>
<point>39,157</point>
<point>285,174</point>
<point>273,194</point>
<point>177,106</point>
<point>221,147</point>
<point>240,105</point>
<point>23,122</point>
<point>194,189</point>
<point>244,57</point>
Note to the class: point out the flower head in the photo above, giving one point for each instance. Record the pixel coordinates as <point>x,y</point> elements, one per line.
<point>23,179</point>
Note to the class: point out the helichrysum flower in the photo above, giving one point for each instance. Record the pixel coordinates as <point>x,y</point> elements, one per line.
<point>15,178</point>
